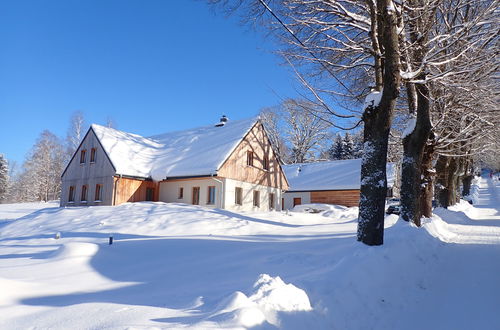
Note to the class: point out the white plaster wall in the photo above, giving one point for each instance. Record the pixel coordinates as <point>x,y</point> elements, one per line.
<point>247,202</point>
<point>169,191</point>
<point>289,196</point>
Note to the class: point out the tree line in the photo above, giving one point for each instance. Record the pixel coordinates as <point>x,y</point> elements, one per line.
<point>419,76</point>
<point>39,176</point>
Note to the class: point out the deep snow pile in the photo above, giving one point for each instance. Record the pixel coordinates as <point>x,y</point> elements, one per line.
<point>178,266</point>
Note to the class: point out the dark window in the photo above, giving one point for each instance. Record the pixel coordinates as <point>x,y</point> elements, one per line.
<point>181,193</point>
<point>271,201</point>
<point>297,201</point>
<point>266,163</point>
<point>92,155</point>
<point>98,192</point>
<point>82,156</point>
<point>196,195</point>
<point>71,197</point>
<point>250,158</point>
<point>256,198</point>
<point>150,194</point>
<point>83,197</point>
<point>211,195</point>
<point>238,196</point>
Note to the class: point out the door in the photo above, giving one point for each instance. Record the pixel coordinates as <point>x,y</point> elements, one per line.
<point>196,195</point>
<point>150,194</point>
<point>297,201</point>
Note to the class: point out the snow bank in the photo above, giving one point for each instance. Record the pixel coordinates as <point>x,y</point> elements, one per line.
<point>269,297</point>
<point>179,266</point>
<point>337,212</point>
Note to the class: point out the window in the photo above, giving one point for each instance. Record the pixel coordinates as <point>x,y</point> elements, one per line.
<point>82,156</point>
<point>196,196</point>
<point>83,197</point>
<point>211,195</point>
<point>297,201</point>
<point>71,197</point>
<point>98,192</point>
<point>150,194</point>
<point>238,196</point>
<point>250,158</point>
<point>266,163</point>
<point>92,155</point>
<point>271,201</point>
<point>256,198</point>
<point>181,193</point>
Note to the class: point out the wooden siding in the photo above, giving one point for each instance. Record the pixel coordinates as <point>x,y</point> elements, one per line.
<point>99,172</point>
<point>339,197</point>
<point>132,190</point>
<point>236,168</point>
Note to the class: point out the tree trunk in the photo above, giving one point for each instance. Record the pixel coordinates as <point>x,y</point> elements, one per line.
<point>441,186</point>
<point>451,182</point>
<point>429,174</point>
<point>413,149</point>
<point>377,122</point>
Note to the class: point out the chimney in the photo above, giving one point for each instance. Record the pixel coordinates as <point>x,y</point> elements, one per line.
<point>223,120</point>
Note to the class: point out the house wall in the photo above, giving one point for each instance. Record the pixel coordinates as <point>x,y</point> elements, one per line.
<point>169,191</point>
<point>339,197</point>
<point>132,190</point>
<point>236,167</point>
<point>90,174</point>
<point>247,200</point>
<point>305,197</point>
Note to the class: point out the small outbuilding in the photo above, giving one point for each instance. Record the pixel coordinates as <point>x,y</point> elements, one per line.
<point>328,182</point>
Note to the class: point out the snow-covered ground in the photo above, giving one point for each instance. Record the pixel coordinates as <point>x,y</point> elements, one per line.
<point>182,266</point>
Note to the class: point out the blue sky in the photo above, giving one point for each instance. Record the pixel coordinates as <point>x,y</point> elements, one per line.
<point>152,66</point>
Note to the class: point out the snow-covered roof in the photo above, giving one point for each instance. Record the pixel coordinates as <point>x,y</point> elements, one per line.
<point>329,175</point>
<point>193,152</point>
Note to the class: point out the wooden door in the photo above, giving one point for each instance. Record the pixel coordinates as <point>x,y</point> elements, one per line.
<point>150,194</point>
<point>196,196</point>
<point>297,201</point>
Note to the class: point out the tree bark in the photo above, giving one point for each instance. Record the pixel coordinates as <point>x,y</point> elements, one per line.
<point>413,149</point>
<point>377,122</point>
<point>429,174</point>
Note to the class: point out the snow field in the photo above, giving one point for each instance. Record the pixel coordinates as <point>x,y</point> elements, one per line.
<point>178,266</point>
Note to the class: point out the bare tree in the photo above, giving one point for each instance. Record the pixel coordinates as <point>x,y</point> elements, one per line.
<point>272,119</point>
<point>336,48</point>
<point>306,132</point>
<point>41,176</point>
<point>4,178</point>
<point>75,133</point>
<point>439,40</point>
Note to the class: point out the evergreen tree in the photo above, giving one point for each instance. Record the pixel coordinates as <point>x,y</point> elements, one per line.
<point>347,147</point>
<point>4,178</point>
<point>336,150</point>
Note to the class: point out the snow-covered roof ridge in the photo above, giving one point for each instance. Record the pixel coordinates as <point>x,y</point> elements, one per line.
<point>328,175</point>
<point>193,152</point>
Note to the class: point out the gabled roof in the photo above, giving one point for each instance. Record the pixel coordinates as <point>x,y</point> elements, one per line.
<point>194,152</point>
<point>329,175</point>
